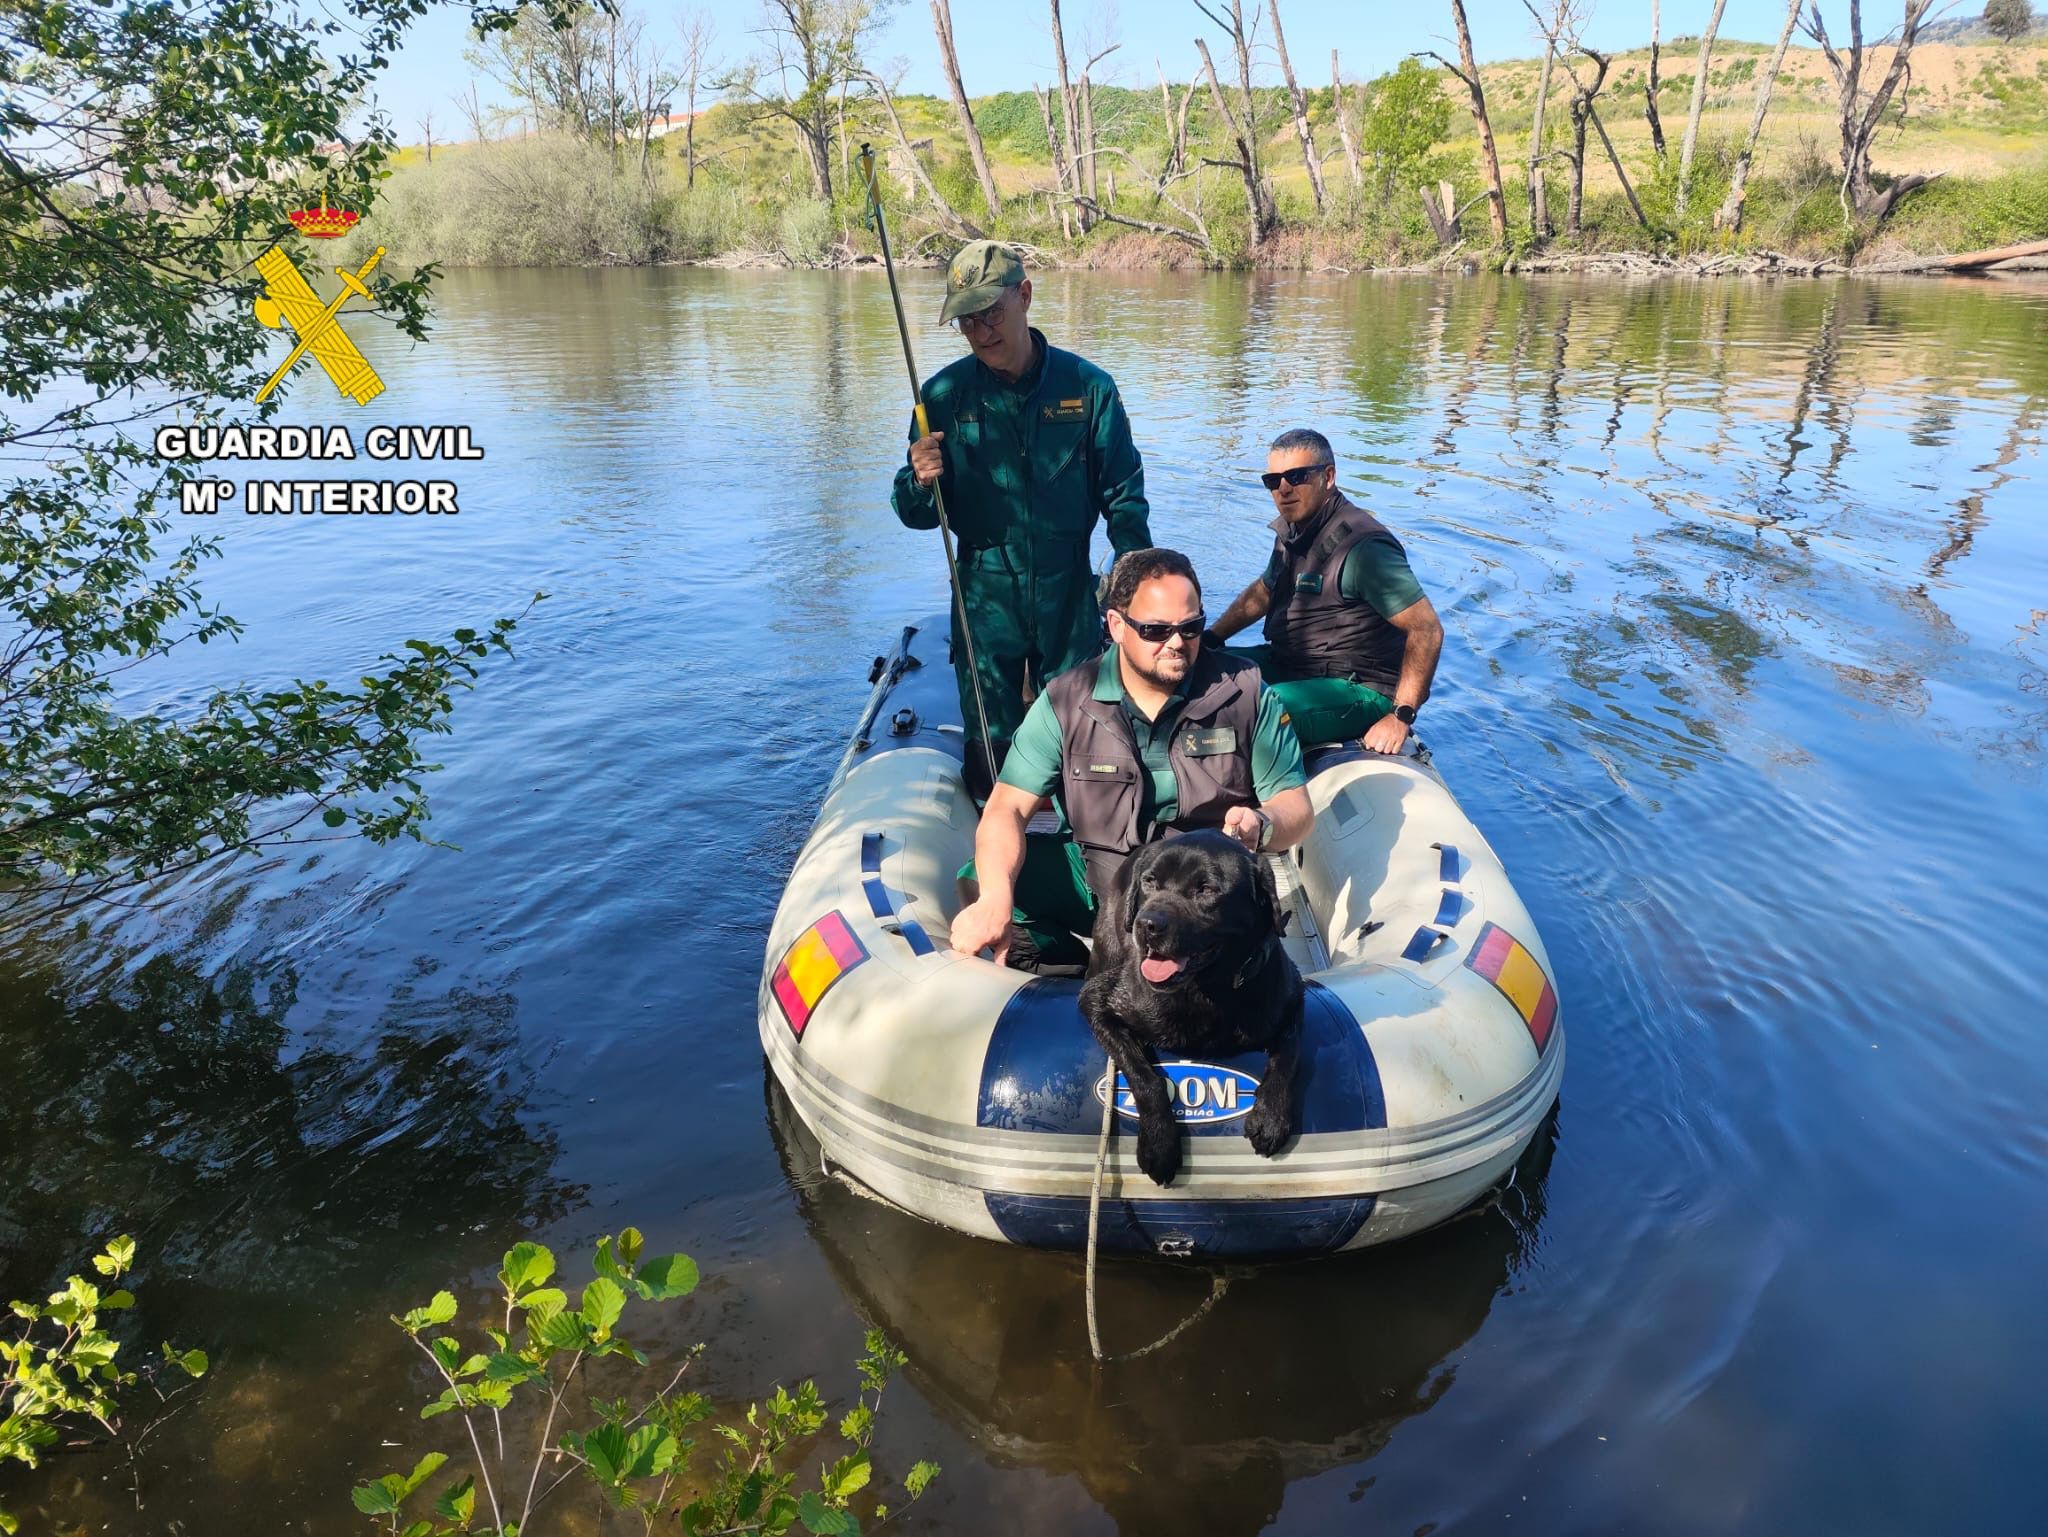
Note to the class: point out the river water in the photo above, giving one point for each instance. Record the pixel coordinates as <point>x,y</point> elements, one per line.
<point>1746,679</point>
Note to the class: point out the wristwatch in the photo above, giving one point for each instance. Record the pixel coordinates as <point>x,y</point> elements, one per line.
<point>1265,828</point>
<point>1405,714</point>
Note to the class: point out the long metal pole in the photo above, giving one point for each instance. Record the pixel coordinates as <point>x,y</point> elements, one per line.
<point>924,427</point>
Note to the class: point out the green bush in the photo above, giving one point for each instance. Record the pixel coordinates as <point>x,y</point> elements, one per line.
<point>806,231</point>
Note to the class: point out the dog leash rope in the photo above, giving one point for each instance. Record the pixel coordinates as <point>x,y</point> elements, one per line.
<point>1218,1284</point>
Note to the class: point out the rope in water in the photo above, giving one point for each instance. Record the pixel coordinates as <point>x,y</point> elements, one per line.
<point>1218,1285</point>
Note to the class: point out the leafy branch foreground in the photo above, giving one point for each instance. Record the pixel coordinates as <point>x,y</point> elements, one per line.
<point>639,1457</point>
<point>60,1369</point>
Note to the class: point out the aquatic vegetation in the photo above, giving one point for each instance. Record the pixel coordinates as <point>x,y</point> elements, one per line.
<point>640,1455</point>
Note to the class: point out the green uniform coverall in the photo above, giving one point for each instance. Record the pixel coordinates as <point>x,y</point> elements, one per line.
<point>1029,468</point>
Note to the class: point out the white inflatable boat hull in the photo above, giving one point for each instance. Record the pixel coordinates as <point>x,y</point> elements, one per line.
<point>972,1095</point>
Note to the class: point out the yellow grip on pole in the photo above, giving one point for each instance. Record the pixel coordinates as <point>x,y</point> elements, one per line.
<point>924,423</point>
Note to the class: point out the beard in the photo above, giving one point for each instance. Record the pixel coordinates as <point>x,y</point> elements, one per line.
<point>1163,669</point>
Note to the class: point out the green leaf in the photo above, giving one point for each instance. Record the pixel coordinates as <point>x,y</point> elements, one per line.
<point>750,1496</point>
<point>447,1354</point>
<point>526,1265</point>
<point>191,1362</point>
<point>919,1478</point>
<point>605,1450</point>
<point>114,1301</point>
<point>650,1451</point>
<point>424,1469</point>
<point>439,1311</point>
<point>603,1302</point>
<point>504,1367</point>
<point>630,1243</point>
<point>419,1529</point>
<point>564,1331</point>
<point>380,1498</point>
<point>334,816</point>
<point>848,1476</point>
<point>821,1519</point>
<point>666,1276</point>
<point>8,1525</point>
<point>545,1301</point>
<point>458,1501</point>
<point>602,1262</point>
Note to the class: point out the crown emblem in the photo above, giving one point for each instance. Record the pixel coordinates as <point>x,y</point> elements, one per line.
<point>323,223</point>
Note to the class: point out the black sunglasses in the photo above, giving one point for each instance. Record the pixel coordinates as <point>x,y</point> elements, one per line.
<point>1157,634</point>
<point>1295,477</point>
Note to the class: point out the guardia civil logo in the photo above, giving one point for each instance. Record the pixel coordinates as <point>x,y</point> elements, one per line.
<point>290,301</point>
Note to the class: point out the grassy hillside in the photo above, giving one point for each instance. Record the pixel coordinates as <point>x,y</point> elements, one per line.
<point>1976,112</point>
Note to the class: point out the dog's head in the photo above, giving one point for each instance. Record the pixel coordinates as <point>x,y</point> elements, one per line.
<point>1198,904</point>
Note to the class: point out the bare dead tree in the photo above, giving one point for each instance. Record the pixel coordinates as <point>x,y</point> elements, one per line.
<point>1650,112</point>
<point>950,215</point>
<point>1245,129</point>
<point>1860,118</point>
<point>1584,114</point>
<point>1059,160</point>
<point>427,133</point>
<point>1070,108</point>
<point>1258,196</point>
<point>1344,132</point>
<point>1160,184</point>
<point>1489,157</point>
<point>693,69</point>
<point>1300,105</point>
<point>1089,179</point>
<point>1698,103</point>
<point>949,61</point>
<point>1176,122</point>
<point>1729,216</point>
<point>1539,212</point>
<point>472,109</point>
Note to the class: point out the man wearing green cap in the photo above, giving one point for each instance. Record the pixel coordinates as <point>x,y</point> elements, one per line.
<point>1029,445</point>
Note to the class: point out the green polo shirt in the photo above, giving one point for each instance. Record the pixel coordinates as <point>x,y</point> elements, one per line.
<point>1033,765</point>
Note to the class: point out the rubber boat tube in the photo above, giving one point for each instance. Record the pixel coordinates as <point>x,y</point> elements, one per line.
<point>972,1095</point>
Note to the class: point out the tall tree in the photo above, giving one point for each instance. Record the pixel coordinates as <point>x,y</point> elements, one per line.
<point>2008,20</point>
<point>1729,216</point>
<point>949,61</point>
<point>808,49</point>
<point>1652,84</point>
<point>1258,196</point>
<point>1859,115</point>
<point>1300,105</point>
<point>1539,214</point>
<point>1070,112</point>
<point>1467,70</point>
<point>1344,133</point>
<point>1698,103</point>
<point>694,68</point>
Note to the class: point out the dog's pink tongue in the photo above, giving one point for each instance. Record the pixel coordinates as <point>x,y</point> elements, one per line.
<point>1159,968</point>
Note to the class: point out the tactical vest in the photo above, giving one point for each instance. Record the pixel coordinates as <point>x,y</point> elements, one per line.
<point>1103,775</point>
<point>1317,632</point>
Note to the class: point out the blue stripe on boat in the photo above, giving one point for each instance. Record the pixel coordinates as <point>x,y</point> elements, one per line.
<point>1042,1065</point>
<point>1197,1229</point>
<point>1449,908</point>
<point>878,899</point>
<point>871,853</point>
<point>1448,870</point>
<point>1423,941</point>
<point>914,935</point>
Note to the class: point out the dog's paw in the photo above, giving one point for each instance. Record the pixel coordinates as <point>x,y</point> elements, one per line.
<point>1159,1151</point>
<point>1266,1127</point>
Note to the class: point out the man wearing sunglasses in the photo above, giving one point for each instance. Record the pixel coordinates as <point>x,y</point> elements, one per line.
<point>1159,734</point>
<point>1351,640</point>
<point>1030,446</point>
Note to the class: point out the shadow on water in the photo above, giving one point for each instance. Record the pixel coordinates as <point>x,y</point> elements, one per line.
<point>1299,1370</point>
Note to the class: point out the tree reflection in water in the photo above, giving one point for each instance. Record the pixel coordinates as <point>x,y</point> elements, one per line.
<point>1300,1369</point>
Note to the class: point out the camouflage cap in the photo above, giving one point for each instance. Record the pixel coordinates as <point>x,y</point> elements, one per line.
<point>977,278</point>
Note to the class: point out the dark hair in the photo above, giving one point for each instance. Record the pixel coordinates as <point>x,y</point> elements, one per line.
<point>1305,437</point>
<point>1135,567</point>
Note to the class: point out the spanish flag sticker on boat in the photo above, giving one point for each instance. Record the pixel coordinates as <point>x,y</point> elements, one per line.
<point>1506,962</point>
<point>822,954</point>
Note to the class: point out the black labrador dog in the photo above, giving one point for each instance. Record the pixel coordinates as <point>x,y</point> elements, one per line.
<point>1187,960</point>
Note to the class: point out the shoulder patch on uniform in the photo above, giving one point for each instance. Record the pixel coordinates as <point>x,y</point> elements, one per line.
<point>1065,411</point>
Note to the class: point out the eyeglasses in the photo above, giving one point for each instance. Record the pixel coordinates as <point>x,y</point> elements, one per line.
<point>981,320</point>
<point>1154,634</point>
<point>1295,477</point>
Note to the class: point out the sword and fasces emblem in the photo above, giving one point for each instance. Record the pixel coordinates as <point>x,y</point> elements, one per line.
<point>291,300</point>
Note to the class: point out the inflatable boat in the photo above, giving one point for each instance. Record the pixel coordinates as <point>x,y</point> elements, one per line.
<point>973,1095</point>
